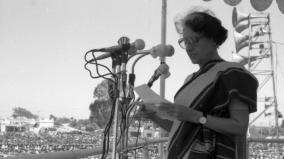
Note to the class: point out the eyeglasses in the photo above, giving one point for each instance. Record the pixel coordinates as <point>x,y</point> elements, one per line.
<point>183,42</point>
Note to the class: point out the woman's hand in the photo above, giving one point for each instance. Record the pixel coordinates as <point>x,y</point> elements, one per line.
<point>144,112</point>
<point>147,112</point>
<point>179,112</point>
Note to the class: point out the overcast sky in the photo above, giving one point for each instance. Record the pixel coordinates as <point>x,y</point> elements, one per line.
<point>43,42</point>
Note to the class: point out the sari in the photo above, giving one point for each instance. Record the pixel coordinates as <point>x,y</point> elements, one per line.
<point>210,90</point>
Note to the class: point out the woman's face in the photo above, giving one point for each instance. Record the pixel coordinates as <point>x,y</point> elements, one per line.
<point>199,48</point>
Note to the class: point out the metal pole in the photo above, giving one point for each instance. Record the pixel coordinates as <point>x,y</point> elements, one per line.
<point>122,96</point>
<point>163,60</point>
<point>250,38</point>
<point>115,126</point>
<point>274,87</point>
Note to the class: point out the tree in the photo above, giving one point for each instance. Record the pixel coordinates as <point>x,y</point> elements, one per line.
<point>85,124</point>
<point>101,91</point>
<point>62,120</point>
<point>51,116</point>
<point>101,107</point>
<point>73,123</point>
<point>22,112</point>
<point>100,112</point>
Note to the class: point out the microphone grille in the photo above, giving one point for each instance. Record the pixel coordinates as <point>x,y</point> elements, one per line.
<point>171,50</point>
<point>139,44</point>
<point>163,69</point>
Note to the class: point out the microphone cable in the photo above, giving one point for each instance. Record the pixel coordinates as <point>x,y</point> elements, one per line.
<point>126,105</point>
<point>93,61</point>
<point>114,81</point>
<point>107,130</point>
<point>123,104</point>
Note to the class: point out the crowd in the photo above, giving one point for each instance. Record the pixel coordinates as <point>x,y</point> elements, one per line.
<point>265,150</point>
<point>51,140</point>
<point>12,144</point>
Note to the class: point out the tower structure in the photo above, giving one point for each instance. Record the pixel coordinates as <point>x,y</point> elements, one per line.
<point>253,31</point>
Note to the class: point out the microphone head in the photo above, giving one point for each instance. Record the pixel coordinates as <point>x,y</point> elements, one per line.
<point>171,50</point>
<point>139,44</point>
<point>162,50</point>
<point>166,75</point>
<point>163,68</point>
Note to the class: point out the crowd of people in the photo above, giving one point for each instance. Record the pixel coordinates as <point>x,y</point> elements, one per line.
<point>265,150</point>
<point>50,140</point>
<point>12,144</point>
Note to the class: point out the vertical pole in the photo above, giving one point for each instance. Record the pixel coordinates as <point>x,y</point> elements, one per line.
<point>122,96</point>
<point>273,73</point>
<point>163,60</point>
<point>250,38</point>
<point>115,126</point>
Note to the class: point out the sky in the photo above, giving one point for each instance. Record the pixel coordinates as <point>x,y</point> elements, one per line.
<point>43,42</point>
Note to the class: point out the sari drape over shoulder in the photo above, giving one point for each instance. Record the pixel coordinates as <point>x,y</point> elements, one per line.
<point>210,91</point>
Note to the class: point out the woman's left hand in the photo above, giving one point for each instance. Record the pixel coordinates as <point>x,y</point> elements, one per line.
<point>179,112</point>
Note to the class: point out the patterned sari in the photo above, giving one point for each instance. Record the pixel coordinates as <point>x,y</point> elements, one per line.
<point>210,90</point>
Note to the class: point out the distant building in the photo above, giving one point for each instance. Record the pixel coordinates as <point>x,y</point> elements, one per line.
<point>45,123</point>
<point>3,123</point>
<point>142,132</point>
<point>21,124</point>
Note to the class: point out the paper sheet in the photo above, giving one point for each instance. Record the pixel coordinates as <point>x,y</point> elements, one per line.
<point>149,96</point>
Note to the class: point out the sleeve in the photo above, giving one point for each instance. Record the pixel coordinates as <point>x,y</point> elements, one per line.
<point>241,83</point>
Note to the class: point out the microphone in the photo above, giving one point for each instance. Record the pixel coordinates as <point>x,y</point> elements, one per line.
<point>163,69</point>
<point>139,44</point>
<point>160,50</point>
<point>132,48</point>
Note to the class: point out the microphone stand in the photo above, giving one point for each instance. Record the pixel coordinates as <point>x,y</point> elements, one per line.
<point>123,93</point>
<point>120,70</point>
<point>116,69</point>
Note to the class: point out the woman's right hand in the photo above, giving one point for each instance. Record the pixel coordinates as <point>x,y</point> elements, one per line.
<point>144,112</point>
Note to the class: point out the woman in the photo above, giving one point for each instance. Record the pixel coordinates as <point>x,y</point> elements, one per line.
<point>211,109</point>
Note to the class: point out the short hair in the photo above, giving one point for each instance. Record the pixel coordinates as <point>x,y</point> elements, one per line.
<point>204,23</point>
